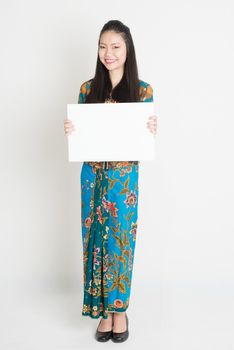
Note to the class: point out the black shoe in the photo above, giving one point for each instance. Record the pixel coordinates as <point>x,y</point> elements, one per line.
<point>103,336</point>
<point>120,337</point>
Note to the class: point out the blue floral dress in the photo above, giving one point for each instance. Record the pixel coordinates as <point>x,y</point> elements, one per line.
<point>109,210</point>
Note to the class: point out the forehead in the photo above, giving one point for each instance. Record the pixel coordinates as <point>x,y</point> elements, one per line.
<point>111,37</point>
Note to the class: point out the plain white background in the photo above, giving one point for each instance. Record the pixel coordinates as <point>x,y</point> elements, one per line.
<point>183,284</point>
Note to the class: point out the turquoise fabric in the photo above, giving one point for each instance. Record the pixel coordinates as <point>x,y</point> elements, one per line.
<point>109,212</point>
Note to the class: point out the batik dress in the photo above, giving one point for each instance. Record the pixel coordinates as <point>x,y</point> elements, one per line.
<point>109,211</point>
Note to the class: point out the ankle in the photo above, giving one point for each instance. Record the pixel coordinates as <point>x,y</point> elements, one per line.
<point>109,317</point>
<point>120,314</point>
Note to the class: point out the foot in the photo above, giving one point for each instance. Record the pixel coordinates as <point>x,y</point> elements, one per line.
<point>120,322</point>
<point>106,324</point>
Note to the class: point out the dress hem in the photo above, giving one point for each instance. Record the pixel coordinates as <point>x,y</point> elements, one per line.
<point>101,313</point>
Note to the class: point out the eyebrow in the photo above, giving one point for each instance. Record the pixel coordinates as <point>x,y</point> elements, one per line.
<point>111,43</point>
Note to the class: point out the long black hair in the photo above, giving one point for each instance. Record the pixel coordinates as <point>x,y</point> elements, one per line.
<point>127,90</point>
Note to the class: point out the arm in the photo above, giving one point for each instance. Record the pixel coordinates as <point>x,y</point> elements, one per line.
<point>82,94</point>
<point>152,121</point>
<point>148,95</point>
<point>68,126</point>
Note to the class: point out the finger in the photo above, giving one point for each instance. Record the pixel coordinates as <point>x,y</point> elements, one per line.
<point>67,125</point>
<point>67,130</point>
<point>152,125</point>
<point>153,129</point>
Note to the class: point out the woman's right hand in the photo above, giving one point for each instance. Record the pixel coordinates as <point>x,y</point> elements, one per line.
<point>68,127</point>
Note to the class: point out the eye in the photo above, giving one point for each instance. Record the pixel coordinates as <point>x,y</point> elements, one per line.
<point>116,47</point>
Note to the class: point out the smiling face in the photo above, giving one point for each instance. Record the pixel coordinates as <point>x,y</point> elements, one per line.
<point>112,50</point>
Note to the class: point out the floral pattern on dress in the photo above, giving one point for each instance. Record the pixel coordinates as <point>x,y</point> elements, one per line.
<point>109,213</point>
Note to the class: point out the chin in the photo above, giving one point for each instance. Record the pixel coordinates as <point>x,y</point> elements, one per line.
<point>109,68</point>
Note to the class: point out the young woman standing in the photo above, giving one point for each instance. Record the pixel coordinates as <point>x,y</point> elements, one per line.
<point>109,190</point>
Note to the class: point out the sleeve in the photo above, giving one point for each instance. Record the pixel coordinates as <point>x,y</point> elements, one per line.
<point>148,96</point>
<point>82,93</point>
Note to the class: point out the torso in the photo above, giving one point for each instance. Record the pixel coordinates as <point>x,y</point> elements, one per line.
<point>145,90</point>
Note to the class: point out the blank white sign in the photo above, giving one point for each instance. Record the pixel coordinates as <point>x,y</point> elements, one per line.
<point>110,131</point>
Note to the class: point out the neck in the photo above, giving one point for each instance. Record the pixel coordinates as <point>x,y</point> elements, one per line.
<point>116,76</point>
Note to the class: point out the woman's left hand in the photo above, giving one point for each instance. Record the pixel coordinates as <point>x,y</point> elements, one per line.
<point>152,124</point>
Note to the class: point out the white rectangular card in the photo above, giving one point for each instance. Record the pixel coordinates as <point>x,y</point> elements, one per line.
<point>111,131</point>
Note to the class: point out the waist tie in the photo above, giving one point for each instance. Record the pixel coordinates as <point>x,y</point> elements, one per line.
<point>105,165</point>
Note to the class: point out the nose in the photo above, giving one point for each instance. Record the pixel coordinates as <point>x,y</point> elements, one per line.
<point>108,52</point>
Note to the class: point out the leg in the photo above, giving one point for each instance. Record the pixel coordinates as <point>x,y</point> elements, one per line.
<point>106,324</point>
<point>121,203</point>
<point>122,196</point>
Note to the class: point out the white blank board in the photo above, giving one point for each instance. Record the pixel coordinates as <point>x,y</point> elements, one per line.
<point>110,132</point>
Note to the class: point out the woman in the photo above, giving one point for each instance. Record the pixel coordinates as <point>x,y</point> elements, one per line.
<point>109,190</point>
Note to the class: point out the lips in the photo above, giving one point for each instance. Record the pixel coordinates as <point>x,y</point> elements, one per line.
<point>110,61</point>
